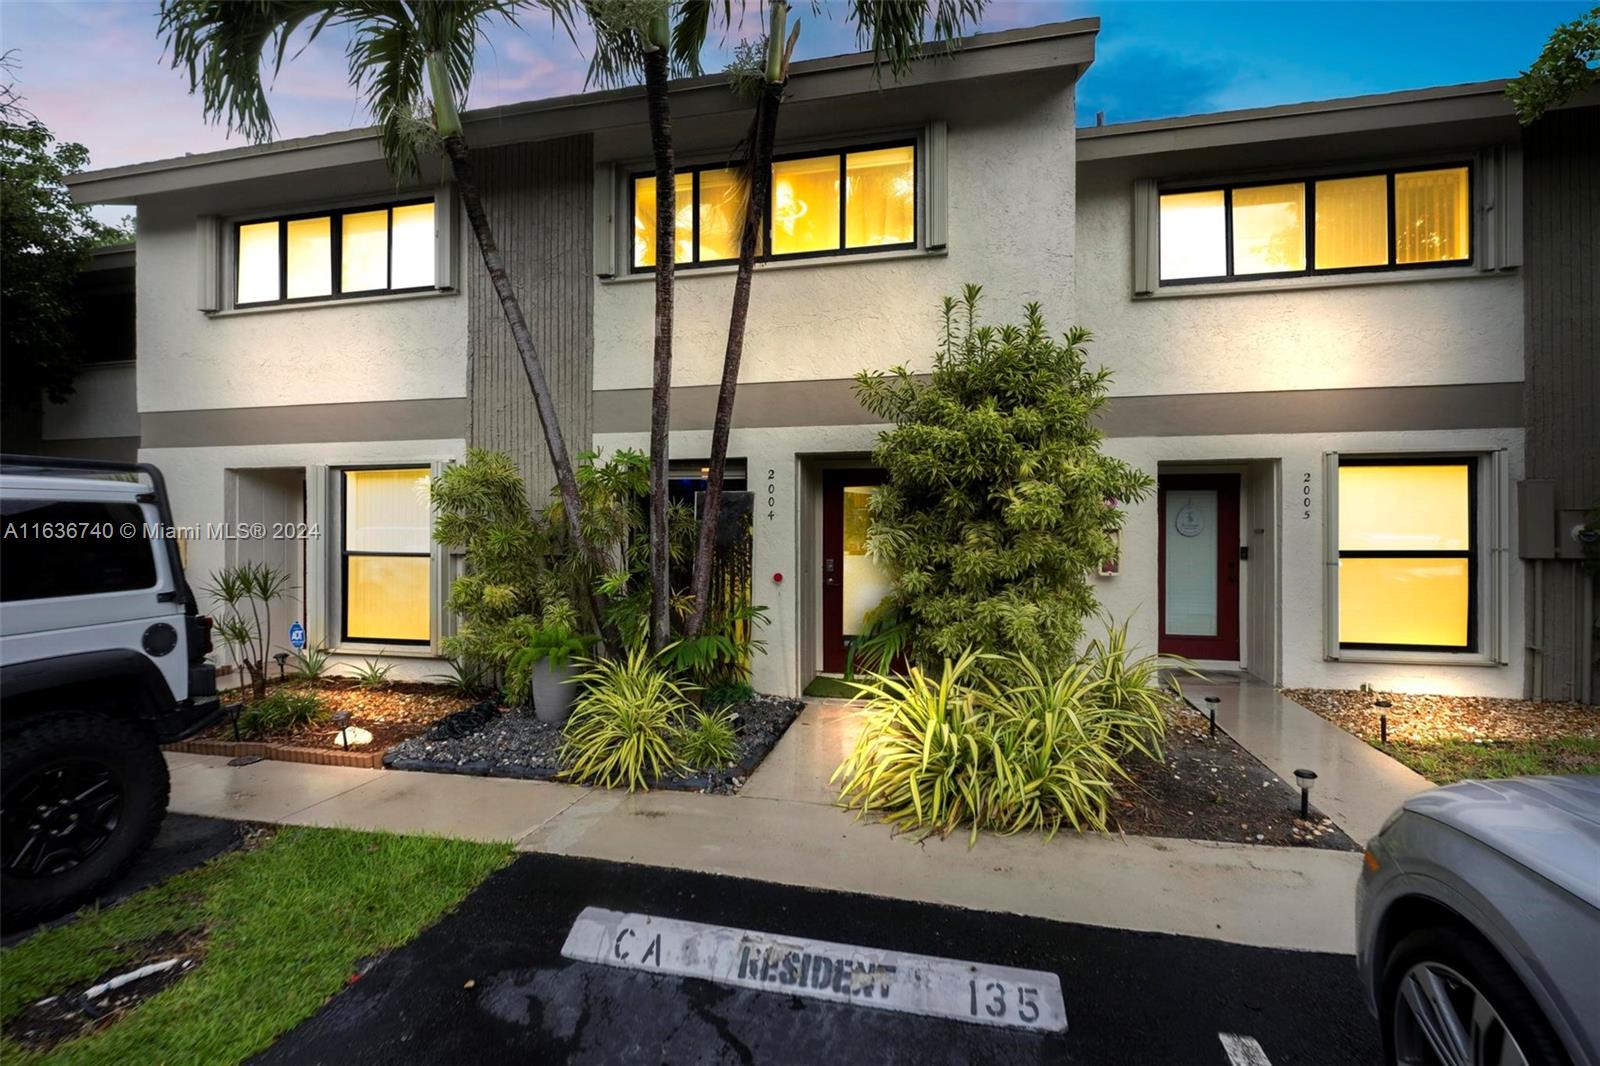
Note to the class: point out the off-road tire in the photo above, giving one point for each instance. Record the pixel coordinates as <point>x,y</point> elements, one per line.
<point>1472,957</point>
<point>134,760</point>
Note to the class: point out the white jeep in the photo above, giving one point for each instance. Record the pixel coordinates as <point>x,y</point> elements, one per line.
<point>102,660</point>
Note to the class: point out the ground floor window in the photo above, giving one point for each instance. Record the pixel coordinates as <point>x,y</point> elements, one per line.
<point>386,556</point>
<point>1407,553</point>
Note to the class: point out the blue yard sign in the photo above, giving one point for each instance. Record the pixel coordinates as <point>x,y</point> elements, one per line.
<point>297,635</point>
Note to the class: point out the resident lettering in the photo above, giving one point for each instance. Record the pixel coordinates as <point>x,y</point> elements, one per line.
<point>840,975</point>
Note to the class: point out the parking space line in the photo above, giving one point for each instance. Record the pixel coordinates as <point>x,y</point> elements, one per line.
<point>1243,1050</point>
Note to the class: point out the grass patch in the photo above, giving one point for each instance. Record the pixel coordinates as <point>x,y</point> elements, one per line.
<point>831,688</point>
<point>287,922</point>
<point>1454,760</point>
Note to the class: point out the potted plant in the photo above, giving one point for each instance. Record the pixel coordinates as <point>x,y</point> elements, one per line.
<point>545,659</point>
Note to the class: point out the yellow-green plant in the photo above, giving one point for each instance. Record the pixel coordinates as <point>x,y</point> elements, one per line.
<point>709,741</point>
<point>624,723</point>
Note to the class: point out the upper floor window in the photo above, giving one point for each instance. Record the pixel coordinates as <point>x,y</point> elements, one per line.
<point>833,203</point>
<point>1389,220</point>
<point>355,252</point>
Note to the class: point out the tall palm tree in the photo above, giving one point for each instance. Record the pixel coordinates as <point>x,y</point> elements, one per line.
<point>412,60</point>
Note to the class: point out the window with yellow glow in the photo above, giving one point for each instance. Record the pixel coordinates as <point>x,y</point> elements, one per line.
<point>1269,229</point>
<point>337,253</point>
<point>1389,220</point>
<point>1406,562</point>
<point>848,201</point>
<point>387,556</point>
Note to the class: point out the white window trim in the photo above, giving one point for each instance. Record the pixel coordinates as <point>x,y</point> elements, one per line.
<point>613,234</point>
<point>1496,222</point>
<point>1494,537</point>
<point>217,258</point>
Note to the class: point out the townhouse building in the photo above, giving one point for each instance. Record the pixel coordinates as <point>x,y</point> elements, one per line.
<point>1318,317</point>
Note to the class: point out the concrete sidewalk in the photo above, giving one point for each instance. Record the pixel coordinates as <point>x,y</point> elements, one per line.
<point>783,828</point>
<point>1357,786</point>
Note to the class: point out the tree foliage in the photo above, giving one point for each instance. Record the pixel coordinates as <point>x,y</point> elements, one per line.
<point>45,240</point>
<point>998,502</point>
<point>1569,64</point>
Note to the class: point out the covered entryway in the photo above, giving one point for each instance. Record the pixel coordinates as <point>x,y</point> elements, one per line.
<point>852,582</point>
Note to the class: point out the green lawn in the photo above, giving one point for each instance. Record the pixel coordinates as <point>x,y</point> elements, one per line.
<point>287,921</point>
<point>830,688</point>
<point>1453,760</point>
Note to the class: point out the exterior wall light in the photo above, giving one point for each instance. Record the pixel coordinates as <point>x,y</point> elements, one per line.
<point>1305,779</point>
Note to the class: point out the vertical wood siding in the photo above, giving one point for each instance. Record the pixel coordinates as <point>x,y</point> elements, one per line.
<point>538,198</point>
<point>1561,279</point>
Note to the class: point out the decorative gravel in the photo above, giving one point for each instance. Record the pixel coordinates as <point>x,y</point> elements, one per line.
<point>1428,719</point>
<point>519,745</point>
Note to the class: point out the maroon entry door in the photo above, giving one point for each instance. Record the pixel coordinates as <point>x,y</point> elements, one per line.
<point>849,579</point>
<point>1199,565</point>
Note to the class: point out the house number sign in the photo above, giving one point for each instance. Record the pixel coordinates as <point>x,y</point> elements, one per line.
<point>772,494</point>
<point>1305,495</point>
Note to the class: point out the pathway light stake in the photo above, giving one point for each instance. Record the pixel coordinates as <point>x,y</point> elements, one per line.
<point>342,720</point>
<point>280,658</point>
<point>1383,729</point>
<point>1211,706</point>
<point>235,709</point>
<point>1305,779</point>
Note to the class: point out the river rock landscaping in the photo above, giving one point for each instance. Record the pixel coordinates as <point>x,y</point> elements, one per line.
<point>514,744</point>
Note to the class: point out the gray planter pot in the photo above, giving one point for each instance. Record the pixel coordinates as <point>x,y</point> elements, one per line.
<point>552,696</point>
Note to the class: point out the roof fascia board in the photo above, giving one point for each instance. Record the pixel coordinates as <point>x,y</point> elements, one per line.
<point>1064,45</point>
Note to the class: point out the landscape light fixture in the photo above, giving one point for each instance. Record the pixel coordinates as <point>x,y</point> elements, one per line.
<point>280,658</point>
<point>1211,708</point>
<point>1305,779</point>
<point>342,720</point>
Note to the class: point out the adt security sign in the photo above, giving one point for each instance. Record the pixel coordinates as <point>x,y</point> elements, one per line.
<point>297,635</point>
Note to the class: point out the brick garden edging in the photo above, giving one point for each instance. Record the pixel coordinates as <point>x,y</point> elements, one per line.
<point>233,749</point>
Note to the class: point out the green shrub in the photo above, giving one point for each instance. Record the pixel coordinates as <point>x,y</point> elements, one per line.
<point>624,723</point>
<point>996,505</point>
<point>709,742</point>
<point>1043,748</point>
<point>727,694</point>
<point>372,674</point>
<point>282,711</point>
<point>313,664</point>
<point>466,678</point>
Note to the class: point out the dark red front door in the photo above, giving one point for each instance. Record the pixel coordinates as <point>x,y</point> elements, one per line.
<point>851,581</point>
<point>1199,565</point>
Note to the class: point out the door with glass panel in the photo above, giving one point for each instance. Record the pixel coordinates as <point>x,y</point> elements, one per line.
<point>386,557</point>
<point>852,581</point>
<point>1199,566</point>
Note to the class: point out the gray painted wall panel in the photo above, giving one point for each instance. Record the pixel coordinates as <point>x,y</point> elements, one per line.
<point>1561,270</point>
<point>538,197</point>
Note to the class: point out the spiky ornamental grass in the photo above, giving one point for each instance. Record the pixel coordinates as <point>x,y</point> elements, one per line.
<point>625,723</point>
<point>998,503</point>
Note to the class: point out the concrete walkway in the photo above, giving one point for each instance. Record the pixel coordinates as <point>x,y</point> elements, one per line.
<point>1357,786</point>
<point>784,828</point>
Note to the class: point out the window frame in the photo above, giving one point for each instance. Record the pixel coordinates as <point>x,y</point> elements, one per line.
<point>344,554</point>
<point>1309,223</point>
<point>631,178</point>
<point>335,217</point>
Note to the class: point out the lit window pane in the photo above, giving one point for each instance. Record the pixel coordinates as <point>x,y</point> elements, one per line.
<point>1404,601</point>
<point>644,219</point>
<point>1352,222</point>
<point>1193,235</point>
<point>1269,229</point>
<point>364,262</point>
<point>386,511</point>
<point>386,597</point>
<point>805,205</point>
<point>880,197</point>
<point>721,214</point>
<point>258,263</point>
<point>413,243</point>
<point>310,258</point>
<point>1405,508</point>
<point>1431,221</point>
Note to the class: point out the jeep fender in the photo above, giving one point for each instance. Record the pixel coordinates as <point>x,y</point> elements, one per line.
<point>117,681</point>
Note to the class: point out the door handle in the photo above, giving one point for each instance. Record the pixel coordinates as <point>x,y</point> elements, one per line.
<point>829,577</point>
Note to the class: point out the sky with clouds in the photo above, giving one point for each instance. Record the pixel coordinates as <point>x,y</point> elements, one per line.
<point>93,70</point>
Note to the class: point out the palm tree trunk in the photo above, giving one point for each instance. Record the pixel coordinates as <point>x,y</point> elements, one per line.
<point>766,131</point>
<point>455,145</point>
<point>655,87</point>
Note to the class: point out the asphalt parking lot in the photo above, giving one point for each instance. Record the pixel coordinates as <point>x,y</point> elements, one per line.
<point>488,983</point>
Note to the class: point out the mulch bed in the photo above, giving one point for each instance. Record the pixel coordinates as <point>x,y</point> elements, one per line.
<point>69,1014</point>
<point>391,713</point>
<point>1210,788</point>
<point>519,745</point>
<point>1429,719</point>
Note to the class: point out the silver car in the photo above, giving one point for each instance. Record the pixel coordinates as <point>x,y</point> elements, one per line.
<point>1478,924</point>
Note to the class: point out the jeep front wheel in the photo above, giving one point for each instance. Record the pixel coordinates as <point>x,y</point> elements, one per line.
<point>81,797</point>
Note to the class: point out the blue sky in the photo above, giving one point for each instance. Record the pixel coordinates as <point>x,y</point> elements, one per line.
<point>92,69</point>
